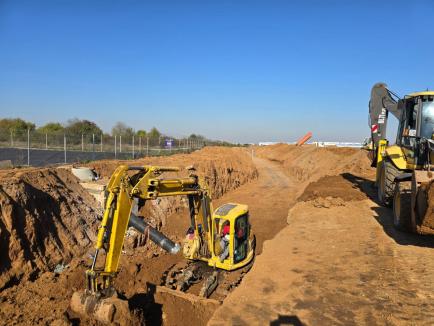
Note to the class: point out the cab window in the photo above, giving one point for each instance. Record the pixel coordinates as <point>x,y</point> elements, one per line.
<point>221,231</point>
<point>427,125</point>
<point>241,237</point>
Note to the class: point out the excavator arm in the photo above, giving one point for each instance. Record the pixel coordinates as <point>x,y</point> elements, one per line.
<point>127,187</point>
<point>131,187</point>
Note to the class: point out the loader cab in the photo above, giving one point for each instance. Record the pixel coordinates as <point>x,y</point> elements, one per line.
<point>417,122</point>
<point>234,218</point>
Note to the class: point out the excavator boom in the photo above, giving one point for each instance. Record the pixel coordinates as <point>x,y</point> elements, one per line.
<point>127,191</point>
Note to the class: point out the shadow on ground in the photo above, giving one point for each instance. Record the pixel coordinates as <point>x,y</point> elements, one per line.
<point>286,320</point>
<point>384,215</point>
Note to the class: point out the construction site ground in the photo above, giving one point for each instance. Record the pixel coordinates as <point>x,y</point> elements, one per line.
<point>327,253</point>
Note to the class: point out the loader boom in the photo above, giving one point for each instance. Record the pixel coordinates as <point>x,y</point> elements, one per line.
<point>383,101</point>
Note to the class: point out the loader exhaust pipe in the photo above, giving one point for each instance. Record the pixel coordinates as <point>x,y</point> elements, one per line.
<point>157,237</point>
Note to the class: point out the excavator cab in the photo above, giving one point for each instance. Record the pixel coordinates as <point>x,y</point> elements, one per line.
<point>231,231</point>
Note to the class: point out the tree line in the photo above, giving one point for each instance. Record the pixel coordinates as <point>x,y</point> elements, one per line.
<point>75,127</point>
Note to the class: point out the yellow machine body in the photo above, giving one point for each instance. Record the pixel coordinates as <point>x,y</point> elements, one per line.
<point>131,185</point>
<point>241,243</point>
<point>402,168</point>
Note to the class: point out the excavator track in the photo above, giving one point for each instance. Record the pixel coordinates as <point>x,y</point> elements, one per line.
<point>198,278</point>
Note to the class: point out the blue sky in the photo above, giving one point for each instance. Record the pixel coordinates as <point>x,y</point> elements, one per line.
<point>242,71</point>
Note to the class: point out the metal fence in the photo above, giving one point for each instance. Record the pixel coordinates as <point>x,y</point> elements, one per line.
<point>39,149</point>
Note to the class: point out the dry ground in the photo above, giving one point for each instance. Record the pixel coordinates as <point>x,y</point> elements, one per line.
<point>327,253</point>
<point>337,262</point>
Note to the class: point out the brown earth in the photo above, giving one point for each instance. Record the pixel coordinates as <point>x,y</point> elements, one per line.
<point>426,226</point>
<point>339,261</point>
<point>327,253</point>
<point>48,220</point>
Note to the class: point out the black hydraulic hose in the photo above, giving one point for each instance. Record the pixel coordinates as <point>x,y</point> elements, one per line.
<point>157,237</point>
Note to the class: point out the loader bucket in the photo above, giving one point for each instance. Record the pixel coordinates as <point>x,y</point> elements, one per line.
<point>422,202</point>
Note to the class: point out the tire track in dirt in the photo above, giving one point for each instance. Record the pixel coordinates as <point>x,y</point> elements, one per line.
<point>269,198</point>
<point>338,262</point>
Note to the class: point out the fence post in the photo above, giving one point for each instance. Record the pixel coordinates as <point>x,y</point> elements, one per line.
<point>101,143</point>
<point>64,146</point>
<point>147,146</point>
<point>28,146</point>
<point>140,144</point>
<point>133,147</point>
<point>115,146</point>
<point>82,143</point>
<point>120,144</point>
<point>46,141</point>
<point>93,147</point>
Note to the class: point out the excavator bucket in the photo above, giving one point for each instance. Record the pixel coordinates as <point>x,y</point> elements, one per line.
<point>105,310</point>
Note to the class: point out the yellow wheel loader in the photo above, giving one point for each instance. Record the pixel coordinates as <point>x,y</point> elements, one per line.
<point>221,239</point>
<point>404,167</point>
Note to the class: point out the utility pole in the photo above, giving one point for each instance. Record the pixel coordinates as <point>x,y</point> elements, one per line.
<point>82,143</point>
<point>101,143</point>
<point>28,146</point>
<point>93,147</point>
<point>133,147</point>
<point>115,146</point>
<point>64,146</point>
<point>120,144</point>
<point>147,146</point>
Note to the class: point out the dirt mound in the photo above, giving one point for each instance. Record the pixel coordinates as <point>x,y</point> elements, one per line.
<point>332,186</point>
<point>46,218</point>
<point>309,163</point>
<point>222,168</point>
<point>48,222</point>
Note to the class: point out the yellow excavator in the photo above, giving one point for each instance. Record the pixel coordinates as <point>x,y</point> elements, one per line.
<point>403,170</point>
<point>222,239</point>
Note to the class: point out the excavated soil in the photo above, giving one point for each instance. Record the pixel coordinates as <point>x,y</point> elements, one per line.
<point>338,261</point>
<point>46,219</point>
<point>326,252</point>
<point>426,226</point>
<point>48,225</point>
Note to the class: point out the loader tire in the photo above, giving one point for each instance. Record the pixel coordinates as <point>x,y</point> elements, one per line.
<point>386,183</point>
<point>402,206</point>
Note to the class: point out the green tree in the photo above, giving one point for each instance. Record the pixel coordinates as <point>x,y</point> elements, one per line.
<point>78,127</point>
<point>51,128</point>
<point>15,126</point>
<point>196,137</point>
<point>154,133</point>
<point>141,133</point>
<point>121,129</point>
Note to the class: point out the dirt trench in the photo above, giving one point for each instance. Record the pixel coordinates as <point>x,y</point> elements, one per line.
<point>333,259</point>
<point>48,225</point>
<point>339,261</point>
